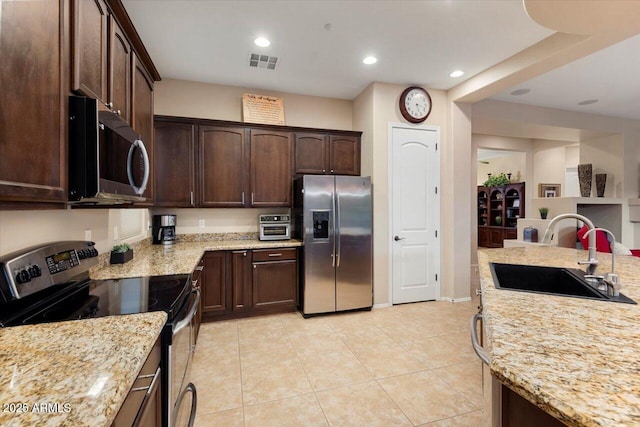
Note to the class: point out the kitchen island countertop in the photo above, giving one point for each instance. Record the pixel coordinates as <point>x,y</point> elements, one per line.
<point>75,373</point>
<point>575,358</point>
<point>179,258</point>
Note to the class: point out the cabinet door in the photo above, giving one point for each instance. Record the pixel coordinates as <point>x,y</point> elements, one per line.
<point>119,71</point>
<point>496,236</point>
<point>89,52</point>
<point>483,237</point>
<point>240,280</point>
<point>275,284</point>
<point>311,153</point>
<point>223,167</point>
<point>214,286</point>
<point>174,165</point>
<point>142,113</point>
<point>33,101</point>
<point>271,168</point>
<point>345,155</point>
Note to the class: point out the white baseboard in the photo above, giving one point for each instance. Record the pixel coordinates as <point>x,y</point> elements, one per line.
<point>383,305</point>
<point>465,299</point>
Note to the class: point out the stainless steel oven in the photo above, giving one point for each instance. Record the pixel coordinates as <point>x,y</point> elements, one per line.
<point>182,396</point>
<point>274,227</point>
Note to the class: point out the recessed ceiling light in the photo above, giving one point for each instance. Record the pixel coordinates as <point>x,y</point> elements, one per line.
<point>262,42</point>
<point>520,92</point>
<point>457,73</point>
<point>370,60</point>
<point>588,102</point>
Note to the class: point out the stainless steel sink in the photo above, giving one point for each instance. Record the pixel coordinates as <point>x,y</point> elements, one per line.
<point>549,280</point>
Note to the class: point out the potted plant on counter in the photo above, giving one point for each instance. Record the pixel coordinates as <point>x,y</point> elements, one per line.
<point>121,254</point>
<point>544,212</point>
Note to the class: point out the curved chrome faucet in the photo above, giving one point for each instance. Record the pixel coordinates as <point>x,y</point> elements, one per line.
<point>611,284</point>
<point>592,261</point>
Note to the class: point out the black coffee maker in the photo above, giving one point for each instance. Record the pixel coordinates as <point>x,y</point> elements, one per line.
<point>164,229</point>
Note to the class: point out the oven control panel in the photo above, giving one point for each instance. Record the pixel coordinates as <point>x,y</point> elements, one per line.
<point>37,268</point>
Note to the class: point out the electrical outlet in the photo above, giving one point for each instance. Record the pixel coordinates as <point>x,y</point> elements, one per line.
<point>201,223</point>
<point>87,235</point>
<point>115,234</point>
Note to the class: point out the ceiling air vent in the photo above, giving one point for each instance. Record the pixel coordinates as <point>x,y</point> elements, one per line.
<point>263,61</point>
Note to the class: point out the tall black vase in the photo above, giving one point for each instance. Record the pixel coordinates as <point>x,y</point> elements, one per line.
<point>601,183</point>
<point>585,176</point>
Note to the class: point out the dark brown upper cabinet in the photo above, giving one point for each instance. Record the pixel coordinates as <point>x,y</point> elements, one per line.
<point>317,153</point>
<point>344,155</point>
<point>89,35</point>
<point>34,81</point>
<point>271,168</point>
<point>120,65</point>
<point>174,151</point>
<point>223,159</point>
<point>311,153</point>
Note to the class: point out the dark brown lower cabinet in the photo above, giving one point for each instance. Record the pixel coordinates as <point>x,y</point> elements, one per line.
<point>214,283</point>
<point>493,237</point>
<point>519,412</point>
<point>248,283</point>
<point>143,405</point>
<point>241,280</point>
<point>275,274</point>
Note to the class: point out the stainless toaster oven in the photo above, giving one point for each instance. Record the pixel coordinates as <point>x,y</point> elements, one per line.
<point>274,227</point>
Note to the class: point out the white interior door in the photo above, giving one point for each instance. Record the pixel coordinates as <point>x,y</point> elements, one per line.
<point>415,213</point>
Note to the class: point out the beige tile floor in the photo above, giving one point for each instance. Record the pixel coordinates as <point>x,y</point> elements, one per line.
<point>406,365</point>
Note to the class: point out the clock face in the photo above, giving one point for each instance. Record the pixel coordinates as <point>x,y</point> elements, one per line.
<point>415,104</point>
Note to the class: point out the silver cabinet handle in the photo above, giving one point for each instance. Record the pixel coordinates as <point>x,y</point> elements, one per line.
<point>275,255</point>
<point>150,386</point>
<point>109,105</point>
<point>199,268</point>
<point>244,253</point>
<point>398,238</point>
<point>191,198</point>
<point>480,351</point>
<point>243,198</point>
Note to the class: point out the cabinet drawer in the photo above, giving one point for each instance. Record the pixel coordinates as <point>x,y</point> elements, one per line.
<point>260,255</point>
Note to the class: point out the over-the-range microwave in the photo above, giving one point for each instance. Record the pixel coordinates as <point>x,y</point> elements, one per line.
<point>108,162</point>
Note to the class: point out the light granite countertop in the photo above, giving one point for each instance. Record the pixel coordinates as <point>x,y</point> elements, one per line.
<point>578,359</point>
<point>179,258</point>
<point>74,373</point>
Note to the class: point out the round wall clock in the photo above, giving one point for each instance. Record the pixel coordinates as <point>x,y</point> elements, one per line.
<point>415,104</point>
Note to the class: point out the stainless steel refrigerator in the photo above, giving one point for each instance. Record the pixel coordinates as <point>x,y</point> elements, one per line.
<point>333,217</point>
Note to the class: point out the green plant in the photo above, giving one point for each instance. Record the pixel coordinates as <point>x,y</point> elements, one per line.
<point>121,248</point>
<point>497,180</point>
<point>544,211</point>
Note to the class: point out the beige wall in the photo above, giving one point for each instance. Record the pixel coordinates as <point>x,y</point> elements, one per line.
<point>606,156</point>
<point>514,163</point>
<point>212,101</point>
<point>549,163</point>
<point>19,229</point>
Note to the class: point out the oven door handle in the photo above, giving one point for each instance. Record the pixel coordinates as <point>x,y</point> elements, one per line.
<point>192,312</point>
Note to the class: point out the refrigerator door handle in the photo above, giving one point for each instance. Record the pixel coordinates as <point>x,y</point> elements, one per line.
<point>338,238</point>
<point>332,232</point>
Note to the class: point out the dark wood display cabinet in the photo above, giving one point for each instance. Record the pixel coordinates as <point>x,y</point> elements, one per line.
<point>246,283</point>
<point>498,211</point>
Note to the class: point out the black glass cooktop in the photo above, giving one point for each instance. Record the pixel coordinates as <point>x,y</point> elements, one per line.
<point>111,297</point>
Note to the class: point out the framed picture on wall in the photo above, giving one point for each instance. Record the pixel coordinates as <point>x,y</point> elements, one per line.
<point>549,190</point>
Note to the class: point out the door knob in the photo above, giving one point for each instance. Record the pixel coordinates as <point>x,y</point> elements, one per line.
<point>398,238</point>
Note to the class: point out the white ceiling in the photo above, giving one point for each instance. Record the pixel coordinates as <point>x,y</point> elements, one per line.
<point>417,42</point>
